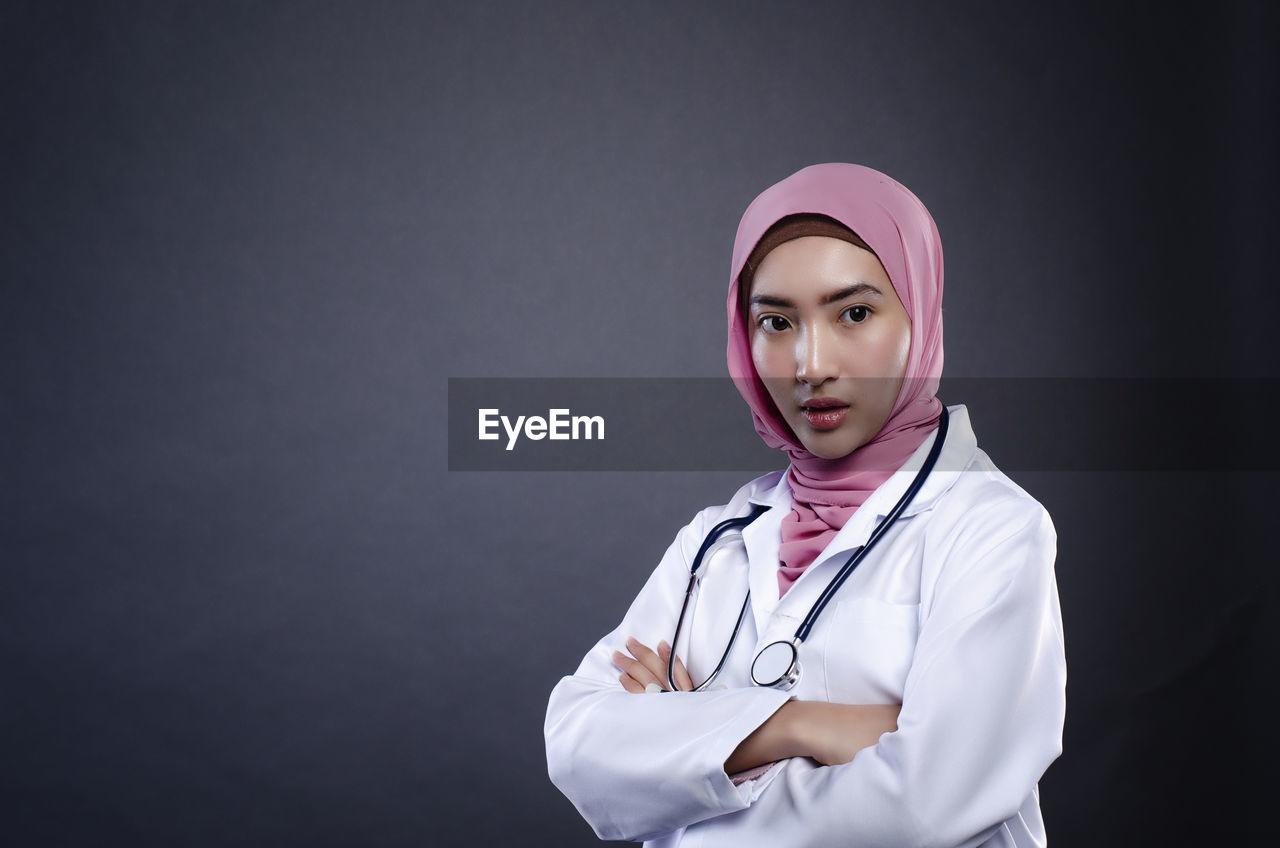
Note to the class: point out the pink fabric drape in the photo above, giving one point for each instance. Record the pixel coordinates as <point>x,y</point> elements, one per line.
<point>898,228</point>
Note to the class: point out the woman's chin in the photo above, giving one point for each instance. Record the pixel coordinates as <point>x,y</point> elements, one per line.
<point>830,444</point>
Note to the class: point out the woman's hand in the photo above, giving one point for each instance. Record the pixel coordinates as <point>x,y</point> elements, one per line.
<point>828,733</point>
<point>644,667</point>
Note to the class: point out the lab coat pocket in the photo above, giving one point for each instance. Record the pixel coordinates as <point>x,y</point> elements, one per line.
<point>868,651</point>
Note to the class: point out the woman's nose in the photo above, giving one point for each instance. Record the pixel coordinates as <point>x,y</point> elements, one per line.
<point>815,357</point>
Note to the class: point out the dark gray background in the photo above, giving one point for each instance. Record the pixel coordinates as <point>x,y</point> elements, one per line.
<point>246,244</point>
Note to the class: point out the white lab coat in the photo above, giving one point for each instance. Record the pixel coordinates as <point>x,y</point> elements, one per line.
<point>954,615</point>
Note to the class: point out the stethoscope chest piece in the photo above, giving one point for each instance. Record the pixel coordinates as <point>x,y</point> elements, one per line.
<point>777,665</point>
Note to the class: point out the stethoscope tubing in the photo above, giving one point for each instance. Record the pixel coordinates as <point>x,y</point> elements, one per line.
<point>712,537</point>
<point>792,673</point>
<point>802,632</point>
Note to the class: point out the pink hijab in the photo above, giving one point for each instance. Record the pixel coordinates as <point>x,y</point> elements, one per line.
<point>893,221</point>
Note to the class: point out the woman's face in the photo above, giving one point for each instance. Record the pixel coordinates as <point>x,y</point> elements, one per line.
<point>830,339</point>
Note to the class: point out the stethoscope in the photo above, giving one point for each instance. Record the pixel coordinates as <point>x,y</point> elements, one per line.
<point>778,663</point>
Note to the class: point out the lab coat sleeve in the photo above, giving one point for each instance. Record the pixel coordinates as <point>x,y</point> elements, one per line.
<point>637,766</point>
<point>982,712</point>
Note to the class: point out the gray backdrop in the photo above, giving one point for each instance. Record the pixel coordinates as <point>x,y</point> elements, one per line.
<point>246,244</point>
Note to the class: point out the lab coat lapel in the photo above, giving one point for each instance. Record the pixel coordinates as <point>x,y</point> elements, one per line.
<point>763,538</point>
<point>804,592</point>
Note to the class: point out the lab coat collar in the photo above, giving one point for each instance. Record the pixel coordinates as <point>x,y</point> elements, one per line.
<point>763,536</point>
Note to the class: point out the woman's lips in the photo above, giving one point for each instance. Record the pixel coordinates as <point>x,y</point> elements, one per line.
<point>825,415</point>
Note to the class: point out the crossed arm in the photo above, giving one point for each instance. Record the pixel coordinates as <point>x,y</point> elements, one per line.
<point>981,719</point>
<point>828,733</point>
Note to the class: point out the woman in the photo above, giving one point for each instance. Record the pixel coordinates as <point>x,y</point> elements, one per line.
<point>930,698</point>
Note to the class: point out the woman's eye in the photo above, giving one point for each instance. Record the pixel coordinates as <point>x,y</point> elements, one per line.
<point>773,323</point>
<point>857,314</point>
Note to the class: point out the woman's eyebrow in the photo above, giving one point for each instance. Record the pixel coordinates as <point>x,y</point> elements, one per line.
<point>858,288</point>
